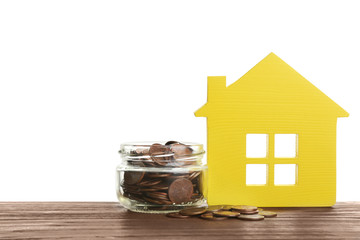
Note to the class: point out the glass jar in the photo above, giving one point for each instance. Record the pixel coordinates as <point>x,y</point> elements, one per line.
<point>161,177</point>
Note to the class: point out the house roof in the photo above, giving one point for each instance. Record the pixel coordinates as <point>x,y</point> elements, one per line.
<point>272,82</point>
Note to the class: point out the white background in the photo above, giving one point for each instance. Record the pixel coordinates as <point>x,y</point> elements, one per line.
<point>77,78</point>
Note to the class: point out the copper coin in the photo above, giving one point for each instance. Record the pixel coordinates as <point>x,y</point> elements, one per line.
<point>193,211</point>
<point>160,158</point>
<point>244,208</point>
<point>160,187</point>
<point>214,208</point>
<point>223,213</point>
<point>180,150</point>
<point>145,151</point>
<point>158,175</point>
<point>170,142</point>
<point>255,217</point>
<point>157,152</point>
<point>150,200</point>
<point>227,207</point>
<point>268,214</point>
<point>176,215</point>
<point>157,195</point>
<point>134,190</point>
<point>250,213</point>
<point>157,147</point>
<point>180,190</point>
<point>193,175</point>
<point>177,176</point>
<point>133,177</point>
<point>149,183</point>
<point>211,217</point>
<point>165,202</point>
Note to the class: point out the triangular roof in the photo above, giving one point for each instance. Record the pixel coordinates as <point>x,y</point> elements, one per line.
<point>277,83</point>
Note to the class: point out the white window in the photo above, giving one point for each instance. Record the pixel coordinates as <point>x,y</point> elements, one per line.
<point>285,145</point>
<point>256,145</point>
<point>285,174</point>
<point>285,171</point>
<point>256,174</point>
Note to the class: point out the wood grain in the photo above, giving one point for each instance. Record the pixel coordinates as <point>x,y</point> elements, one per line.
<point>108,220</point>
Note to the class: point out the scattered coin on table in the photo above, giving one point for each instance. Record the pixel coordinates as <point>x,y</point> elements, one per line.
<point>244,208</point>
<point>268,214</point>
<point>176,215</point>
<point>214,208</point>
<point>223,212</point>
<point>226,214</point>
<point>255,217</point>
<point>211,217</point>
<point>193,211</point>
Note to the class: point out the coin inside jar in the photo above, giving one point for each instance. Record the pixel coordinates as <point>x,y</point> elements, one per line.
<point>180,190</point>
<point>134,177</point>
<point>180,150</point>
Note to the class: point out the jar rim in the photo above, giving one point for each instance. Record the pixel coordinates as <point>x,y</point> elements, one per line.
<point>124,147</point>
<point>162,154</point>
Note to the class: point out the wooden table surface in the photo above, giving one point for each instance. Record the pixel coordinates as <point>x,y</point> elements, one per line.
<point>108,220</point>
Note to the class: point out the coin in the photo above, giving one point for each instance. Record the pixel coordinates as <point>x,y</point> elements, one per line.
<point>193,211</point>
<point>250,213</point>
<point>154,187</point>
<point>150,200</point>
<point>214,208</point>
<point>223,213</point>
<point>157,153</point>
<point>268,214</point>
<point>255,217</point>
<point>132,177</point>
<point>148,183</point>
<point>180,150</point>
<point>193,175</point>
<point>244,208</point>
<point>211,217</point>
<point>159,158</point>
<point>227,207</point>
<point>170,142</point>
<point>160,187</point>
<point>157,147</point>
<point>158,175</point>
<point>180,190</point>
<point>176,215</point>
<point>157,195</point>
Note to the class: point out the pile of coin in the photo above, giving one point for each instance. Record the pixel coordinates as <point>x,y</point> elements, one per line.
<point>216,213</point>
<point>150,182</point>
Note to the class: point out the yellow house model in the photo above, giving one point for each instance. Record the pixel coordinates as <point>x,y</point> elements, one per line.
<point>271,139</point>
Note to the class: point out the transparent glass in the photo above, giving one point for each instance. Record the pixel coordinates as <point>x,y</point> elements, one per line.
<point>161,177</point>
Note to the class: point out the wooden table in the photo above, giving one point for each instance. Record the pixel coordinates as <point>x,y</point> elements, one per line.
<point>107,220</point>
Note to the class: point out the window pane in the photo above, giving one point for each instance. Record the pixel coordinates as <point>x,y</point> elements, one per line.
<point>285,174</point>
<point>256,174</point>
<point>256,145</point>
<point>285,145</point>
